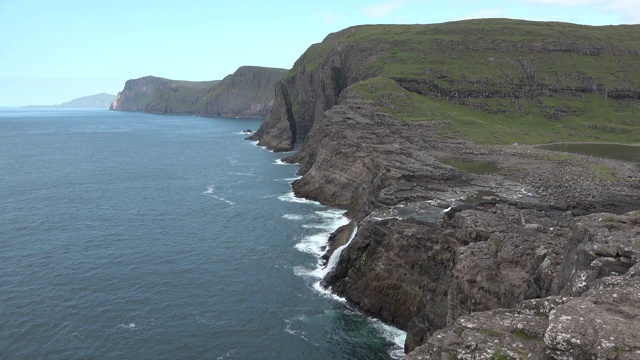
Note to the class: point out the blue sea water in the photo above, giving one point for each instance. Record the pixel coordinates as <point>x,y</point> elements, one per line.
<point>136,236</point>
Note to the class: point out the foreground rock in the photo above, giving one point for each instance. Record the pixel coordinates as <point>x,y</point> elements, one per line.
<point>508,237</point>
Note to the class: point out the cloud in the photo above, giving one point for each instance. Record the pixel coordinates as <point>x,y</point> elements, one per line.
<point>384,9</point>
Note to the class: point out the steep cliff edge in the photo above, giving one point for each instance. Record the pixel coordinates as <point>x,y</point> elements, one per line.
<point>246,93</point>
<point>529,82</point>
<point>451,227</point>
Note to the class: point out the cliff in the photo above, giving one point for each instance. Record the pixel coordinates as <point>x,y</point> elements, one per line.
<point>246,93</point>
<point>526,81</point>
<point>476,248</point>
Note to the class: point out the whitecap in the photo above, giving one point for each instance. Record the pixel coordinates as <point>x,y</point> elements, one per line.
<point>280,162</point>
<point>130,326</point>
<point>293,217</point>
<point>223,200</point>
<point>393,334</point>
<point>313,244</point>
<point>291,197</point>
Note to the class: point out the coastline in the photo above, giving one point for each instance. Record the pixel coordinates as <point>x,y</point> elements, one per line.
<point>394,181</point>
<point>323,247</point>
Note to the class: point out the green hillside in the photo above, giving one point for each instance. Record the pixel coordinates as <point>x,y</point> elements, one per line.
<point>496,81</point>
<point>246,93</point>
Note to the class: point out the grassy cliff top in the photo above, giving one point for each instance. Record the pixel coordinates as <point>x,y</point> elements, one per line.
<point>499,81</point>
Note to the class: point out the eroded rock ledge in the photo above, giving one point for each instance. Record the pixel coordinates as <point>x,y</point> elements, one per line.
<point>536,260</point>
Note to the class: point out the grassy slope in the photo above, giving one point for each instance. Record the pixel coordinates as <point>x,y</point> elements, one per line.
<point>179,97</point>
<point>500,81</point>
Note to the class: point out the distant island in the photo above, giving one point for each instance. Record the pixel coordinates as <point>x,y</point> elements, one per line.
<point>97,101</point>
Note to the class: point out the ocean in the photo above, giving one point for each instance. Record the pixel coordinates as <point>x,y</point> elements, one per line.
<point>137,236</point>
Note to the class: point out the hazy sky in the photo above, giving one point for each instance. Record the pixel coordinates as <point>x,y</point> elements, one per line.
<point>52,51</point>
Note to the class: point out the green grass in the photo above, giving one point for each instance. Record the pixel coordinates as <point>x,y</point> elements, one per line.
<point>474,167</point>
<point>496,81</point>
<point>603,171</point>
<point>504,121</point>
<point>521,334</point>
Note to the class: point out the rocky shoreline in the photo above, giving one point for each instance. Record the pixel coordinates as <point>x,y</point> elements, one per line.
<point>478,265</point>
<point>478,252</point>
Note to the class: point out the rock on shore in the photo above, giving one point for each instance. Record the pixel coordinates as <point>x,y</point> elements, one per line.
<point>421,269</point>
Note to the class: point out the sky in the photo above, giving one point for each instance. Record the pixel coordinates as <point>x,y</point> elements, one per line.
<point>52,51</point>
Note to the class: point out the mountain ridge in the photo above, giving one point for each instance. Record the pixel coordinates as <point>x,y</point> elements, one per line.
<point>97,101</point>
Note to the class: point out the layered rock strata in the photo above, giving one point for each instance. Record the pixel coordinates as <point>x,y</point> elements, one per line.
<point>507,237</point>
<point>493,263</point>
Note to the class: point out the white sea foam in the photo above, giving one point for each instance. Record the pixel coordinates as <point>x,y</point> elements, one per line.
<point>291,197</point>
<point>130,326</point>
<point>293,217</point>
<point>229,202</point>
<point>280,162</point>
<point>330,220</point>
<point>291,331</point>
<point>313,244</point>
<point>210,191</point>
<point>397,336</point>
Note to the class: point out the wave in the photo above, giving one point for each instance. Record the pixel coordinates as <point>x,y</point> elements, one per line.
<point>210,191</point>
<point>291,197</point>
<point>223,200</point>
<point>396,336</point>
<point>316,244</point>
<point>293,217</point>
<point>280,162</point>
<point>291,331</point>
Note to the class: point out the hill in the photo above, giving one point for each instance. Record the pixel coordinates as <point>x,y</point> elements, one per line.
<point>246,93</point>
<point>478,247</point>
<point>497,81</point>
<point>98,101</point>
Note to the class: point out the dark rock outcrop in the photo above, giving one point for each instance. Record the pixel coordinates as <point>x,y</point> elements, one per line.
<point>420,269</point>
<point>246,93</point>
<point>469,263</point>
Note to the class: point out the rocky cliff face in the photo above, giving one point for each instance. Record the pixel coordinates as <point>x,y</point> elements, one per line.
<point>543,72</point>
<point>494,256</point>
<point>508,237</point>
<point>313,86</point>
<point>246,93</point>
